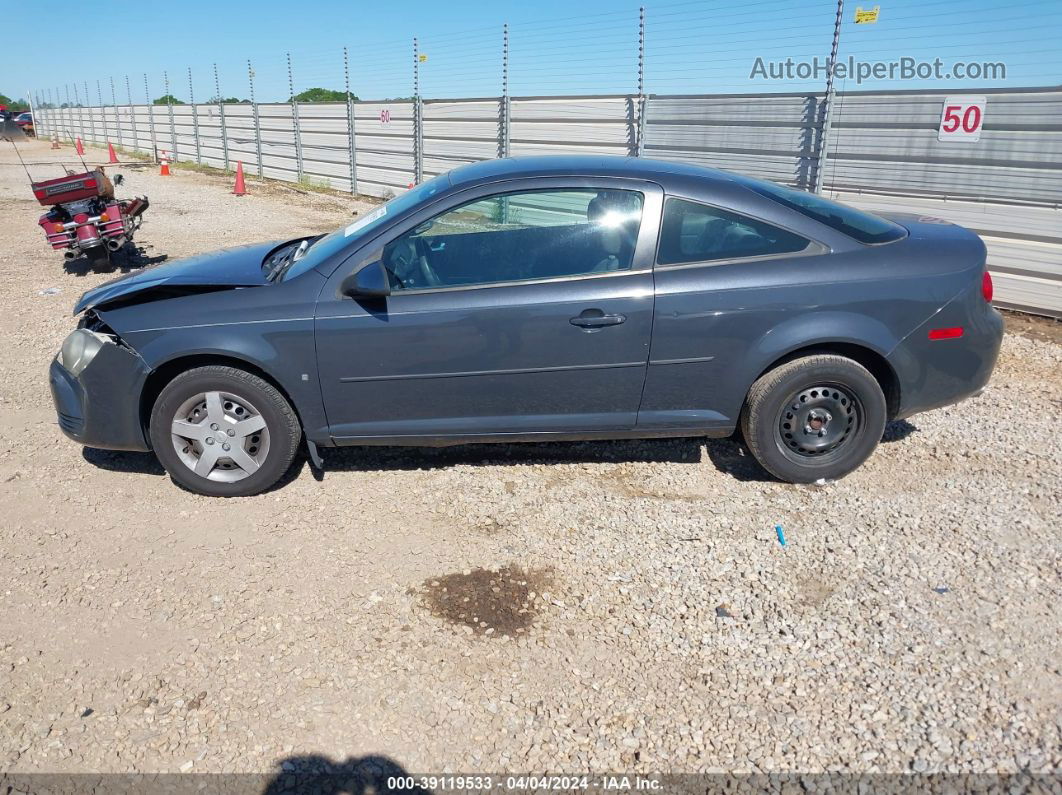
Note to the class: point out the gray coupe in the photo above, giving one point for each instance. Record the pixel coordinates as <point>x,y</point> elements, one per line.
<point>532,299</point>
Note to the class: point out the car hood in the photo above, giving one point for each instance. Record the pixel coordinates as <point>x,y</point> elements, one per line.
<point>232,267</point>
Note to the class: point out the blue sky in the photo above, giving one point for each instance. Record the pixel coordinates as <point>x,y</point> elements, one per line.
<point>556,47</point>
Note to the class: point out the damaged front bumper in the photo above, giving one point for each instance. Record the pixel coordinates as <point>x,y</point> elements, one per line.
<point>99,406</point>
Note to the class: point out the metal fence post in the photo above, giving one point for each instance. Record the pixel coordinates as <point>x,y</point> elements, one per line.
<point>80,115</point>
<point>639,149</point>
<point>132,115</point>
<point>91,115</point>
<point>195,118</point>
<point>151,119</point>
<point>506,108</point>
<point>221,114</point>
<point>103,113</point>
<point>824,138</point>
<point>295,122</point>
<point>69,115</point>
<point>353,155</point>
<point>169,109</point>
<point>256,119</point>
<point>117,118</point>
<point>418,155</point>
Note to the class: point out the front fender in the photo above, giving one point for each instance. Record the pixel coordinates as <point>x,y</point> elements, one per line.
<point>284,351</point>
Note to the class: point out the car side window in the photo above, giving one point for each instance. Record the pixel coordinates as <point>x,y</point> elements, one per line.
<point>519,236</point>
<point>693,232</point>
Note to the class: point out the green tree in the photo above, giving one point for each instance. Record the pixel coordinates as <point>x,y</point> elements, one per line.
<point>168,99</point>
<point>321,95</point>
<point>214,100</point>
<point>14,105</point>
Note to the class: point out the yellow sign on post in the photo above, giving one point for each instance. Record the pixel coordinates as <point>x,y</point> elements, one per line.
<point>868,17</point>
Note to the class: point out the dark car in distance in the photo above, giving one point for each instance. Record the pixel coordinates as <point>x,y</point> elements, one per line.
<point>532,299</point>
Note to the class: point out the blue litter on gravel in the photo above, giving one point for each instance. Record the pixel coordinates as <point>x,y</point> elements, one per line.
<point>781,534</point>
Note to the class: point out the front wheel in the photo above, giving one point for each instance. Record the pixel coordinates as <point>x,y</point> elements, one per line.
<point>819,416</point>
<point>224,432</point>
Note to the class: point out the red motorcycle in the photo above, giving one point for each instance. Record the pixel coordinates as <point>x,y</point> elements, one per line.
<point>85,217</point>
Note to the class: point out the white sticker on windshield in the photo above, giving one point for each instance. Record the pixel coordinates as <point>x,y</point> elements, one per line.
<point>365,220</point>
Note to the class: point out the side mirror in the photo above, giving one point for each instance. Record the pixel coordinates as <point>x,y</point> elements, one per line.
<point>371,281</point>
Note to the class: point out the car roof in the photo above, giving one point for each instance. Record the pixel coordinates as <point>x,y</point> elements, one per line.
<point>583,165</point>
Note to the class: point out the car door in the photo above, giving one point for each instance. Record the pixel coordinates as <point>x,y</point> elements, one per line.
<point>521,308</point>
<point>725,283</point>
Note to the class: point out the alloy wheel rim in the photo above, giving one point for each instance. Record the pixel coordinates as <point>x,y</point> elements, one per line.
<point>220,436</point>
<point>818,420</point>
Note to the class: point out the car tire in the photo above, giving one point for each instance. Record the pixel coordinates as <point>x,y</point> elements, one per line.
<point>207,405</point>
<point>818,416</point>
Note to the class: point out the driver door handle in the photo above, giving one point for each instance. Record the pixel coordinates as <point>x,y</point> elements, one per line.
<point>595,318</point>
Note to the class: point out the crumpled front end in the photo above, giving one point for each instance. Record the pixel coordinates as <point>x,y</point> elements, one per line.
<point>96,382</point>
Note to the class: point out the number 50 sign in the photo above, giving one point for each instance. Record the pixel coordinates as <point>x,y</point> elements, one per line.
<point>961,119</point>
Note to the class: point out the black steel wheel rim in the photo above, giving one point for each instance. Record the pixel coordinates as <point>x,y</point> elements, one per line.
<point>818,421</point>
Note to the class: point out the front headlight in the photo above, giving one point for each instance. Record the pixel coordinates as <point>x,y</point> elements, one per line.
<point>79,349</point>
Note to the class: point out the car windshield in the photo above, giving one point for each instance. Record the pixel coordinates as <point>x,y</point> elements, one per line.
<point>863,226</point>
<point>325,246</point>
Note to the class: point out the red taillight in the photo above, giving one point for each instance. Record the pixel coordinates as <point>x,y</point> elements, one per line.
<point>81,218</point>
<point>986,286</point>
<point>945,333</point>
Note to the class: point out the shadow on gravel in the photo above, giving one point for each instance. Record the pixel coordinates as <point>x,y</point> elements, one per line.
<point>732,458</point>
<point>727,455</point>
<point>370,458</point>
<point>897,430</point>
<point>124,261</point>
<point>122,461</point>
<point>354,776</point>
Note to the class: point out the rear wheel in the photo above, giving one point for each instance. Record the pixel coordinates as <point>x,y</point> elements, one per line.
<point>815,417</point>
<point>224,432</point>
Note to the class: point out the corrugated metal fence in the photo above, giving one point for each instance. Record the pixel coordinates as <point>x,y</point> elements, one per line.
<point>882,151</point>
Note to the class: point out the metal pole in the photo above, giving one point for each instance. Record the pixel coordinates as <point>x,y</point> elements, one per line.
<point>418,155</point>
<point>353,155</point>
<point>257,121</point>
<point>195,118</point>
<point>221,113</point>
<point>132,115</point>
<point>640,143</point>
<point>32,104</point>
<point>169,108</point>
<point>70,112</point>
<point>92,117</point>
<point>824,141</point>
<point>506,109</point>
<point>80,114</point>
<point>117,118</point>
<point>103,113</point>
<point>295,121</point>
<point>151,119</point>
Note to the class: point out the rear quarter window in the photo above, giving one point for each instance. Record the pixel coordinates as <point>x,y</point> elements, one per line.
<point>693,232</point>
<point>862,226</point>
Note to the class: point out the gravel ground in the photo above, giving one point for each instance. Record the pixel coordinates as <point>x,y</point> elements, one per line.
<point>562,607</point>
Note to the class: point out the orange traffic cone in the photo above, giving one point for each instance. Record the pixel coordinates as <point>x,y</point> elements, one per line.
<point>241,188</point>
<point>55,142</point>
<point>110,151</point>
<point>79,148</point>
<point>164,159</point>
